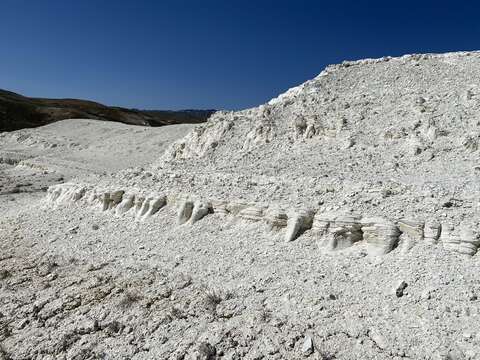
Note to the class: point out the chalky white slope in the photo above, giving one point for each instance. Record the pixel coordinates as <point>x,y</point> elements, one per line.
<point>382,151</point>
<point>338,221</point>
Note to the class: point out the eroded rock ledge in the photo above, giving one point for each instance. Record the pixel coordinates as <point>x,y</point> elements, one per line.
<point>335,230</point>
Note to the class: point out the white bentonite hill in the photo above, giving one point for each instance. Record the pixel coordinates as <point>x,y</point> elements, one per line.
<point>338,221</point>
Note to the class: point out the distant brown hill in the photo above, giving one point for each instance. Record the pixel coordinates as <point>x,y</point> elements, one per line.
<point>18,112</point>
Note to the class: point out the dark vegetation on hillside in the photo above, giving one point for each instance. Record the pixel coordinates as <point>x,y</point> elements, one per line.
<point>18,112</point>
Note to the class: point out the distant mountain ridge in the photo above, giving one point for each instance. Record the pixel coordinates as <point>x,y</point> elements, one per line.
<point>18,112</point>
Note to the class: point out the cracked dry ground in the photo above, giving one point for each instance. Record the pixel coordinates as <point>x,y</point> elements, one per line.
<point>78,284</point>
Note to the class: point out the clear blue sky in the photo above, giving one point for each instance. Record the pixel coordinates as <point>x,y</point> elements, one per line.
<point>210,54</point>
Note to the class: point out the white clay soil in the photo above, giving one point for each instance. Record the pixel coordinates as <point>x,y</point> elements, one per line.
<point>338,221</point>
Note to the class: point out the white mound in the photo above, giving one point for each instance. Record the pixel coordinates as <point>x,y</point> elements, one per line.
<point>394,140</point>
<point>79,146</point>
<point>338,221</point>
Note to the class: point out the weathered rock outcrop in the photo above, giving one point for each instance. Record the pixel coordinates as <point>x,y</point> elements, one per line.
<point>411,233</point>
<point>338,230</point>
<point>381,235</point>
<point>276,217</point>
<point>297,223</point>
<point>332,230</point>
<point>432,231</point>
<point>463,238</point>
<point>118,201</point>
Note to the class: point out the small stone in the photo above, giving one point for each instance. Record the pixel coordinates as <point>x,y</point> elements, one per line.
<point>4,274</point>
<point>307,347</point>
<point>426,295</point>
<point>420,100</point>
<point>205,351</point>
<point>455,354</point>
<point>73,230</point>
<point>416,150</point>
<point>447,204</point>
<point>348,143</point>
<point>386,193</point>
<point>378,339</point>
<point>51,277</point>
<point>399,290</point>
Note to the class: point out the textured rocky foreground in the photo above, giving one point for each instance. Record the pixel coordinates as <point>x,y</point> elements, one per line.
<point>337,221</point>
<point>84,283</point>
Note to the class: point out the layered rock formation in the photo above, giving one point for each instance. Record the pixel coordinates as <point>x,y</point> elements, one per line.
<point>332,231</point>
